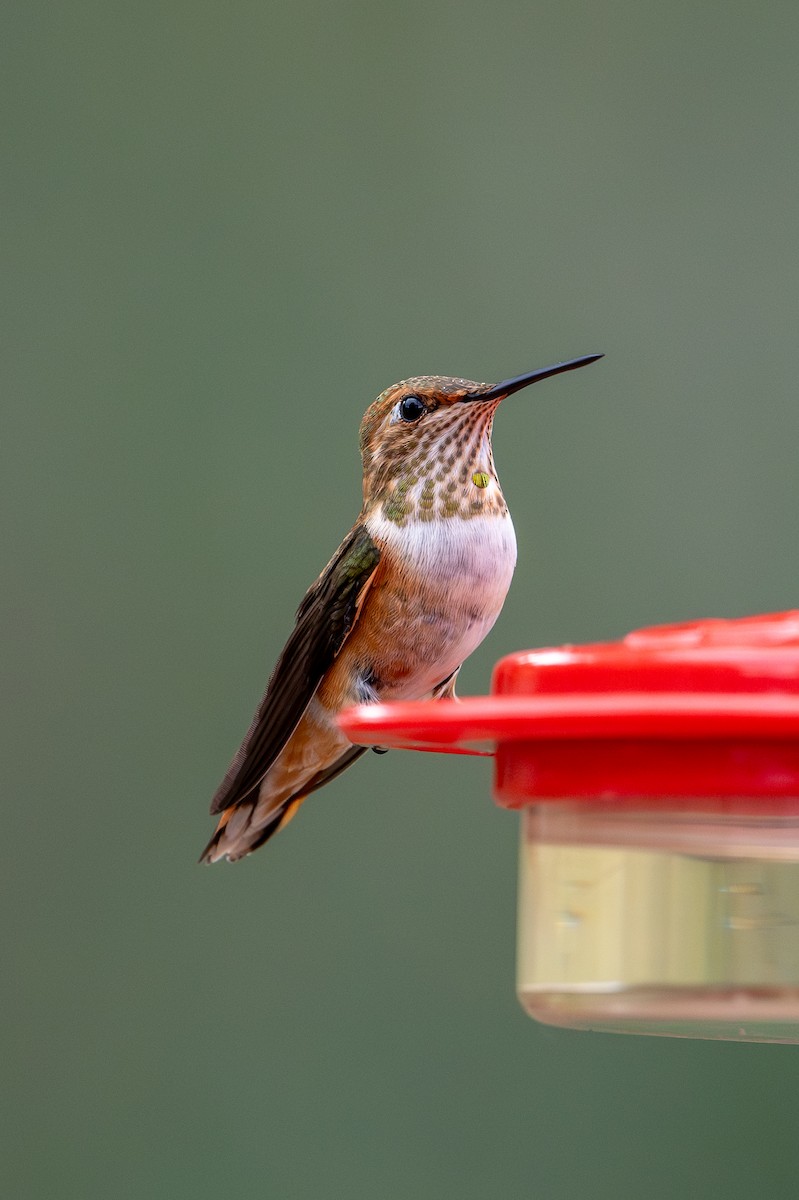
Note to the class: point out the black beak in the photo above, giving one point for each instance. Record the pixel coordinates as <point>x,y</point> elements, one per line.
<point>508,386</point>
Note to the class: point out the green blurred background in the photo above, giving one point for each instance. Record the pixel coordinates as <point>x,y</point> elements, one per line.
<point>227,228</point>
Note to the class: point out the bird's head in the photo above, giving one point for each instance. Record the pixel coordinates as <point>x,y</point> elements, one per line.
<point>426,444</point>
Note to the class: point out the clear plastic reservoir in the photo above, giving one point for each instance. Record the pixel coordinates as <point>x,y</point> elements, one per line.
<point>678,923</point>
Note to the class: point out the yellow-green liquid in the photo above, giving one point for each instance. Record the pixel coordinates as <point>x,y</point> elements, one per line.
<point>638,931</point>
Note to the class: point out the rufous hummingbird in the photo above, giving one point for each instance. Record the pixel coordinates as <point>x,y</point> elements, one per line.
<point>412,590</point>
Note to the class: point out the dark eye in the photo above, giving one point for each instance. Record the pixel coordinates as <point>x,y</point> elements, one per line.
<point>411,408</point>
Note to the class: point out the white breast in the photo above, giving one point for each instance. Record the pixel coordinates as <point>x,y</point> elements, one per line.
<point>467,567</point>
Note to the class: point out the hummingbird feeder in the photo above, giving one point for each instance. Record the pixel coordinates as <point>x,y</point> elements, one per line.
<point>657,780</point>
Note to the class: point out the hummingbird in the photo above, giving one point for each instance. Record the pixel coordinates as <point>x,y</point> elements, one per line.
<point>412,590</point>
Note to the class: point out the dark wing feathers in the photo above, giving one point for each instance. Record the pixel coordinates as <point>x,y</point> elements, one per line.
<point>324,619</point>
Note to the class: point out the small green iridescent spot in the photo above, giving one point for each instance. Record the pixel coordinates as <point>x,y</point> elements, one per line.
<point>480,479</point>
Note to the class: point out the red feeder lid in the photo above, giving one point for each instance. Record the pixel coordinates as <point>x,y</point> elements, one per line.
<point>704,708</point>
